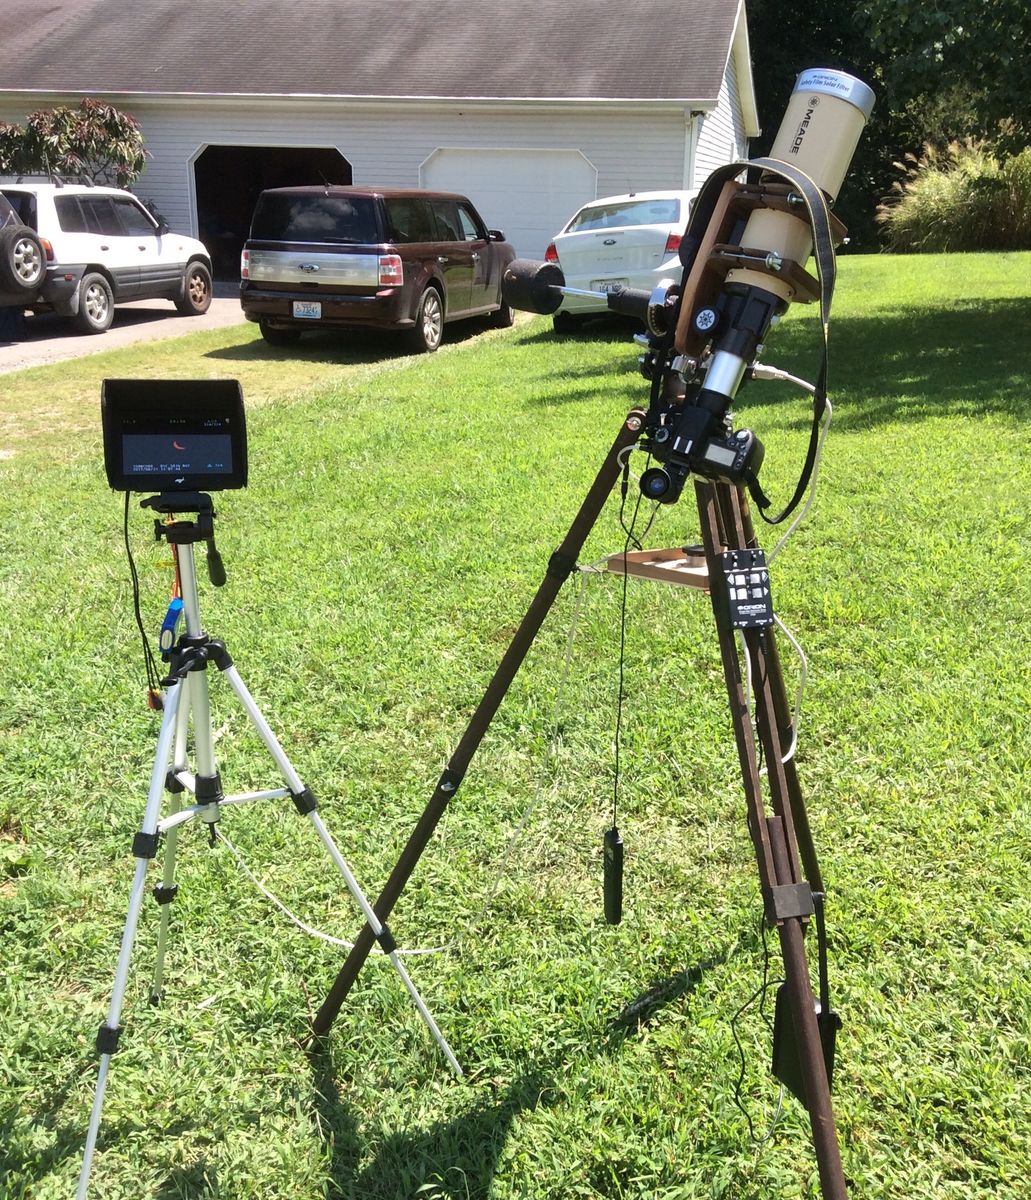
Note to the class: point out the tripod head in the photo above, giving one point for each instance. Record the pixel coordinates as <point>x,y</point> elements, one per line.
<point>743,258</point>
<point>186,533</point>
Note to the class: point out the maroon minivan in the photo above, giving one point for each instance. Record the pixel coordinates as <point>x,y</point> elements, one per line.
<point>370,258</point>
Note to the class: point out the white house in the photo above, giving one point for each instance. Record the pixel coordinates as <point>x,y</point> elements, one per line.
<point>529,107</point>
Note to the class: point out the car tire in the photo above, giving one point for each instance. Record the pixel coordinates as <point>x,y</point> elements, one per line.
<point>563,322</point>
<point>96,308</point>
<point>23,262</point>
<point>275,336</point>
<point>429,323</point>
<point>196,295</point>
<point>503,317</point>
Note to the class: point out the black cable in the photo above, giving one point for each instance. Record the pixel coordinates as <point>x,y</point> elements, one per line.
<point>631,540</point>
<point>759,994</point>
<point>621,689</point>
<point>153,675</point>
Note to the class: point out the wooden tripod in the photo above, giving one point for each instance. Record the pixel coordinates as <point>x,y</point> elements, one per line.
<point>788,870</point>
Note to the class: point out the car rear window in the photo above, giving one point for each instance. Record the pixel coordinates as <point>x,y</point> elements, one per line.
<point>24,204</point>
<point>282,217</point>
<point>631,212</point>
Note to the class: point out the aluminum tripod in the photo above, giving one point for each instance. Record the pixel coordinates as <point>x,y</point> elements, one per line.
<point>186,708</point>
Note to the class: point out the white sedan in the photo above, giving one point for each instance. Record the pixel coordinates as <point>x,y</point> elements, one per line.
<point>625,241</point>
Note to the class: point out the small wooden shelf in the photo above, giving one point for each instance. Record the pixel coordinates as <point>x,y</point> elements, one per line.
<point>681,565</point>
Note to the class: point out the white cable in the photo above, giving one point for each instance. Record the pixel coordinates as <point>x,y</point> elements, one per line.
<point>796,716</point>
<point>499,872</point>
<point>308,929</point>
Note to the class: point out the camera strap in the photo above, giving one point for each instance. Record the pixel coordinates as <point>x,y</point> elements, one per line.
<point>826,272</point>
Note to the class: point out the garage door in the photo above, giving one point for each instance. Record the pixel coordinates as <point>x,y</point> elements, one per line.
<point>530,194</point>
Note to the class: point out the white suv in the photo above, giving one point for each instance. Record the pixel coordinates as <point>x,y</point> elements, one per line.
<point>103,247</point>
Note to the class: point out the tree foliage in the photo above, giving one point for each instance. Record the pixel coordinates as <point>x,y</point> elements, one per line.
<point>94,140</point>
<point>942,71</point>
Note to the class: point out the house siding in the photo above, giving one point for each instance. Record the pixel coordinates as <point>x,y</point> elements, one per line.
<point>387,145</point>
<point>721,135</point>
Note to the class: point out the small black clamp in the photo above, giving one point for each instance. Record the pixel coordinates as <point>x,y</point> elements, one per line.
<point>560,566</point>
<point>166,893</point>
<point>219,655</point>
<point>173,784</point>
<point>145,845</point>
<point>788,900</point>
<point>107,1039</point>
<point>386,940</point>
<point>304,801</point>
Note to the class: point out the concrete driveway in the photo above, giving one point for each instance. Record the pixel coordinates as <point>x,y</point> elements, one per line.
<point>50,339</point>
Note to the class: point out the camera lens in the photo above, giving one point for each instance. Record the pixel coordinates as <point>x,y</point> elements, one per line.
<point>655,483</point>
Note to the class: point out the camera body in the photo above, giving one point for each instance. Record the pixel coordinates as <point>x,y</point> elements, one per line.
<point>172,435</point>
<point>697,438</point>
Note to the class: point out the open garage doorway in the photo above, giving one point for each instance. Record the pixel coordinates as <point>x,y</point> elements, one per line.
<point>229,178</point>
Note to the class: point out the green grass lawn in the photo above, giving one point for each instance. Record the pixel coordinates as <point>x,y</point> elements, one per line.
<point>398,521</point>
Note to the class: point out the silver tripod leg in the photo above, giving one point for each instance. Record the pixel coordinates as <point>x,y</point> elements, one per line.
<point>107,1039</point>
<point>299,791</point>
<point>166,892</point>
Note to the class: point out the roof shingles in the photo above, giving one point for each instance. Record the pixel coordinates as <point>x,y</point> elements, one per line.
<point>491,49</point>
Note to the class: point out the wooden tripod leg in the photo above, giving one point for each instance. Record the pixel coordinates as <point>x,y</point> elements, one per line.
<point>785,728</point>
<point>561,564</point>
<point>787,896</point>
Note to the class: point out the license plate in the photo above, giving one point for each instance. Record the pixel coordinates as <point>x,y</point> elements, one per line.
<point>312,309</point>
<point>607,285</point>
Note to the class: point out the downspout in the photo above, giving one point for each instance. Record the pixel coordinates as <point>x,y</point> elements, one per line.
<point>691,129</point>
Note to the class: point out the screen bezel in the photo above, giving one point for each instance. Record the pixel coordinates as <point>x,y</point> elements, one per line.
<point>123,402</point>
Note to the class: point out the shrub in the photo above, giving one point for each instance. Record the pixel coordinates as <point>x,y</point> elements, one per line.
<point>94,140</point>
<point>962,198</point>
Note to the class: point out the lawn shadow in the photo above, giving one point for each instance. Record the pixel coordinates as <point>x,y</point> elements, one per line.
<point>455,1159</point>
<point>458,1159</point>
<point>644,1008</point>
<point>346,346</point>
<point>967,359</point>
<point>68,1143</point>
<point>606,327</point>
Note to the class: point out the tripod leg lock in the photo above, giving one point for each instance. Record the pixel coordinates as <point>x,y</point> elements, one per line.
<point>166,893</point>
<point>219,655</point>
<point>145,845</point>
<point>305,801</point>
<point>107,1039</point>
<point>561,566</point>
<point>788,900</point>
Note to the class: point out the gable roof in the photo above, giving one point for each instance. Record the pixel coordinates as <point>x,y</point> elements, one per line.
<point>532,50</point>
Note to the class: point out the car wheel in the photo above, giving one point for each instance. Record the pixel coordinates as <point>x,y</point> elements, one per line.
<point>196,297</point>
<point>429,323</point>
<point>279,337</point>
<point>563,322</point>
<point>96,305</point>
<point>503,317</point>
<point>23,264</point>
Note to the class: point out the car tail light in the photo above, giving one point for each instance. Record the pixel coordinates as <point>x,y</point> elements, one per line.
<point>391,271</point>
<point>551,254</point>
<point>245,265</point>
<point>673,243</point>
<point>48,249</point>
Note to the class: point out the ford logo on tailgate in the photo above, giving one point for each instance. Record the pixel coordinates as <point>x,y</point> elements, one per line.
<point>609,242</point>
<point>311,268</point>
